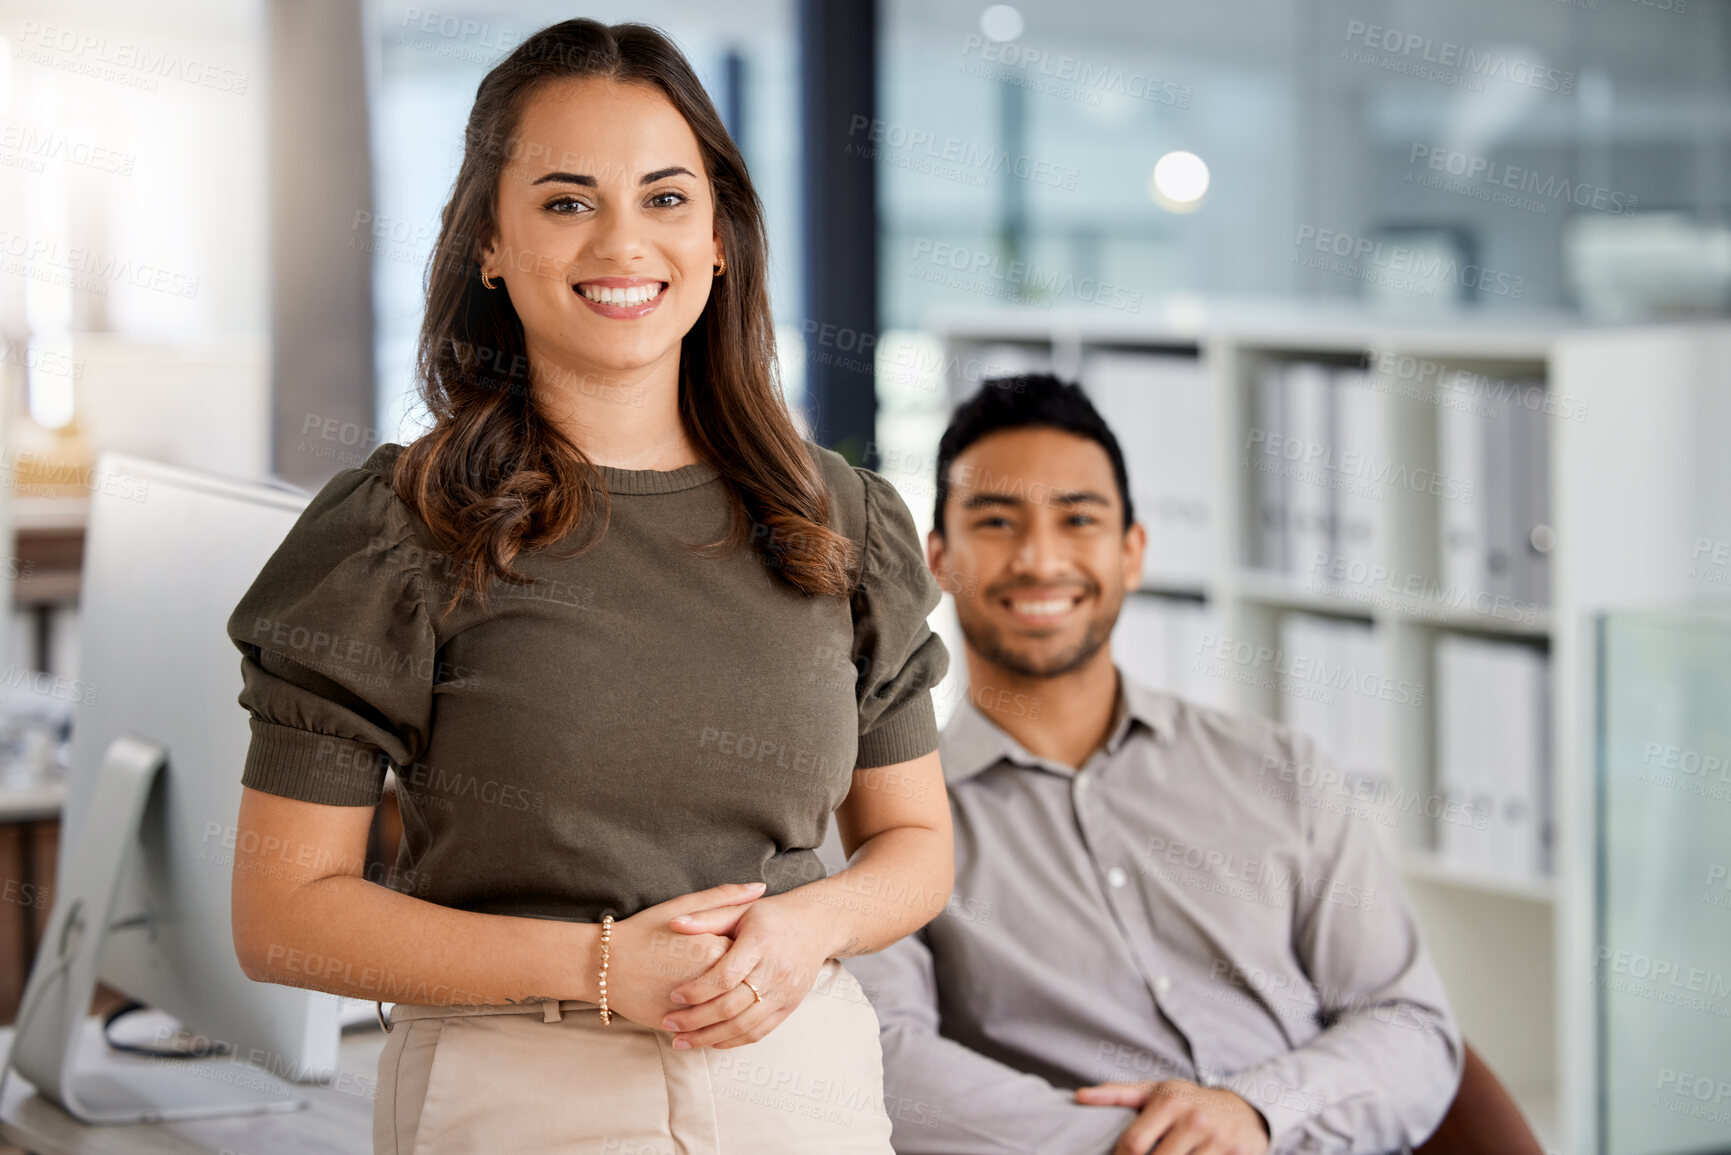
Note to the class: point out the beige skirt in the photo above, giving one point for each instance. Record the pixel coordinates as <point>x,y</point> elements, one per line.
<point>535,1079</point>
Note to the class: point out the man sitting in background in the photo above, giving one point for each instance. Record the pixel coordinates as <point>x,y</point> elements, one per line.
<point>1157,940</point>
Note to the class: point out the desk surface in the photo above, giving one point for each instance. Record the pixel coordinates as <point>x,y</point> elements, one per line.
<point>337,1120</point>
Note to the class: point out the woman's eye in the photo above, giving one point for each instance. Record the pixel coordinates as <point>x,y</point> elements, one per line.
<point>570,206</point>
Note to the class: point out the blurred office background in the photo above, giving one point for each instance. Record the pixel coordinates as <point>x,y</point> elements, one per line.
<point>1486,241</point>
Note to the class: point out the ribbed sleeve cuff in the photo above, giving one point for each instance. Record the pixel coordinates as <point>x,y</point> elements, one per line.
<point>909,733</point>
<point>312,767</point>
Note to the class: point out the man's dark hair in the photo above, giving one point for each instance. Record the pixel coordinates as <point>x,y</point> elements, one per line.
<point>1026,399</point>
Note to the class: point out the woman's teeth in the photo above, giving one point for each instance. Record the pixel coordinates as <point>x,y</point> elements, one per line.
<point>635,295</point>
<point>1049,608</point>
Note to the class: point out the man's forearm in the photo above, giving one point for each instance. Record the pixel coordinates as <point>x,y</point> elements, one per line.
<point>1380,1079</point>
<point>944,1098</point>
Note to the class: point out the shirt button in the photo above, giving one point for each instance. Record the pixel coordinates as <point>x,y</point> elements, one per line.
<point>1162,984</point>
<point>1081,781</point>
<point>1116,876</point>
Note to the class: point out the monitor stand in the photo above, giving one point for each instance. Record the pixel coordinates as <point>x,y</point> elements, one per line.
<point>56,1004</point>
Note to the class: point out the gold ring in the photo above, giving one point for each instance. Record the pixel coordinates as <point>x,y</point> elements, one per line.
<point>757,995</point>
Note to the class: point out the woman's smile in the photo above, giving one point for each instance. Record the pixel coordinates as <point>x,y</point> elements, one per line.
<point>622,298</point>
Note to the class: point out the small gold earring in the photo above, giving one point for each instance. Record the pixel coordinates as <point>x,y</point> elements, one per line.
<point>722,267</point>
<point>486,282</point>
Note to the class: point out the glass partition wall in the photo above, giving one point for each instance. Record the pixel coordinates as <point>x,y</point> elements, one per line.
<point>1663,940</point>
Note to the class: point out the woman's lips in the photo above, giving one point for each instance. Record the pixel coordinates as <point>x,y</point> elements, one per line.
<point>621,311</point>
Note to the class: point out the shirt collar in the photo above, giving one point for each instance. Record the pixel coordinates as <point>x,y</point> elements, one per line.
<point>973,743</point>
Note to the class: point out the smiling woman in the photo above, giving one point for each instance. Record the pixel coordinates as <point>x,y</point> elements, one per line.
<point>603,240</point>
<point>745,656</point>
<point>633,241</point>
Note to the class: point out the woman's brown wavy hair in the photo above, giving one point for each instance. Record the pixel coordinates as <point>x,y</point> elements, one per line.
<point>493,477</point>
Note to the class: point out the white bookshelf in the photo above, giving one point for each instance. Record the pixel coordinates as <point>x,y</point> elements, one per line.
<point>1516,954</point>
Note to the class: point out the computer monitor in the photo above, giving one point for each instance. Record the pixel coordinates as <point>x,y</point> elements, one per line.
<point>153,793</point>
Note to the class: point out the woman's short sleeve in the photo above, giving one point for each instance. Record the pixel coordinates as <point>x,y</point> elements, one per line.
<point>899,658</point>
<point>338,650</point>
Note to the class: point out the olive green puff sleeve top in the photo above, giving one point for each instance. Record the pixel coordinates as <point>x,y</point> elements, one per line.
<point>636,723</point>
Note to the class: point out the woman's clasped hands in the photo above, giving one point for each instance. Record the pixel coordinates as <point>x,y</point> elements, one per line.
<point>720,967</point>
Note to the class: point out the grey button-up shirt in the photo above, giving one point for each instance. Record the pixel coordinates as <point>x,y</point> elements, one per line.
<point>1185,905</point>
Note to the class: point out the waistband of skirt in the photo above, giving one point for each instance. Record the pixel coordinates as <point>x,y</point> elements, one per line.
<point>401,1011</point>
<point>827,974</point>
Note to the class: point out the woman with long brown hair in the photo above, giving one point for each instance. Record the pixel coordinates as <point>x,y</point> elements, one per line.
<point>626,640</point>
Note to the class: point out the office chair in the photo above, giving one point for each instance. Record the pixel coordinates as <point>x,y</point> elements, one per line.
<point>1483,1119</point>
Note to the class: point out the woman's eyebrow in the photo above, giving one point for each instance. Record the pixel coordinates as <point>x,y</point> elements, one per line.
<point>589,181</point>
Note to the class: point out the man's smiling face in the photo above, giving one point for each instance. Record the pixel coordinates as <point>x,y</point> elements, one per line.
<point>1035,549</point>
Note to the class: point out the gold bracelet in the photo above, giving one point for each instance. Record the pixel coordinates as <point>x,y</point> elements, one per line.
<point>606,937</point>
